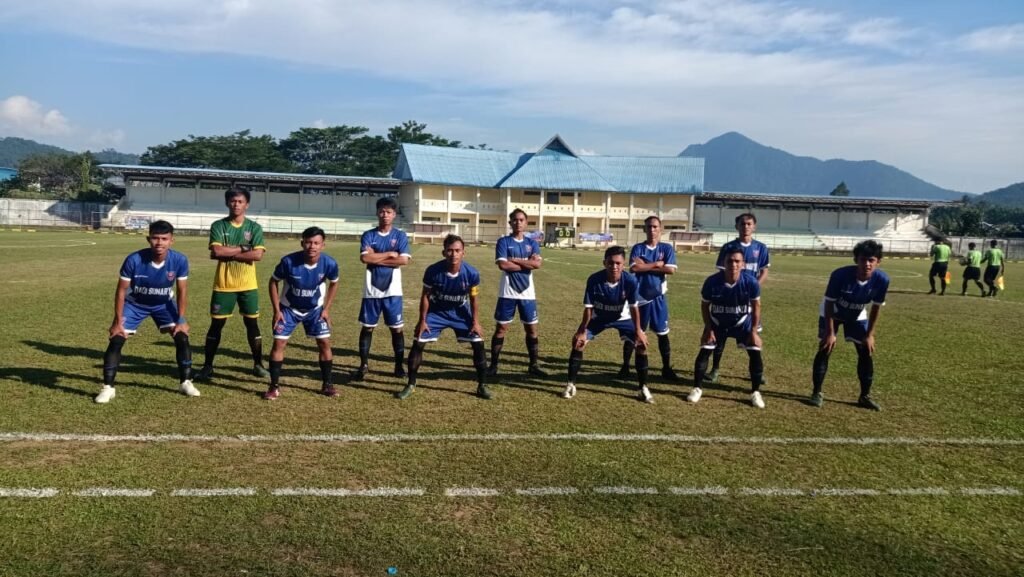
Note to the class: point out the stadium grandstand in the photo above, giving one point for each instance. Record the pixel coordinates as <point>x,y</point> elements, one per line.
<point>192,198</point>
<point>570,199</point>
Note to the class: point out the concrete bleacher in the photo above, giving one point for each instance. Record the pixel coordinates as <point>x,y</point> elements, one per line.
<point>902,241</point>
<point>138,216</point>
<point>780,239</point>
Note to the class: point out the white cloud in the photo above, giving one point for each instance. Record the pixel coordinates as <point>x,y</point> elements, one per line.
<point>996,39</point>
<point>319,123</point>
<point>808,79</point>
<point>22,116</point>
<point>101,139</point>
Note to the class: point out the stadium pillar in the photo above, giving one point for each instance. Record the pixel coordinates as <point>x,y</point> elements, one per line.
<point>608,212</point>
<point>477,207</point>
<point>629,223</point>
<point>448,206</point>
<point>575,207</point>
<point>419,204</point>
<point>690,216</point>
<point>540,211</point>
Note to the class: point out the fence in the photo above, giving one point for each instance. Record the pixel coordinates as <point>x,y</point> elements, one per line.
<point>1013,248</point>
<point>39,213</point>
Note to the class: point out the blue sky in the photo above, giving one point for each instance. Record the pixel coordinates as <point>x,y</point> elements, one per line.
<point>934,88</point>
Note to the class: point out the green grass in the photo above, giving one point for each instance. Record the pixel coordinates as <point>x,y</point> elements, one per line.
<point>946,367</point>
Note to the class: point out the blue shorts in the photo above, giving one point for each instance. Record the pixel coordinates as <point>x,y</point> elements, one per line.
<point>625,328</point>
<point>739,332</point>
<point>459,320</point>
<point>855,331</point>
<point>316,327</point>
<point>369,314</point>
<point>654,315</point>
<point>165,315</point>
<point>505,311</point>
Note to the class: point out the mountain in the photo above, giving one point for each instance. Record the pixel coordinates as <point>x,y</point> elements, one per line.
<point>735,163</point>
<point>1010,196</point>
<point>13,150</point>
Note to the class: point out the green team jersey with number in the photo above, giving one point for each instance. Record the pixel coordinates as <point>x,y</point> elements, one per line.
<point>234,276</point>
<point>940,253</point>
<point>994,256</point>
<point>974,258</point>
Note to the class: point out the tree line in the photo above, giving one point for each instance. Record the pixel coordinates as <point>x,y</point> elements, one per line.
<point>336,150</point>
<point>978,219</point>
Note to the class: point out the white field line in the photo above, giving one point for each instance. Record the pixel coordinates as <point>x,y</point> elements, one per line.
<point>770,492</point>
<point>698,490</point>
<point>833,492</point>
<point>113,492</point>
<point>547,491</point>
<point>934,491</point>
<point>471,492</point>
<point>504,437</point>
<point>626,490</point>
<point>991,491</point>
<point>378,492</point>
<point>28,493</point>
<point>225,492</point>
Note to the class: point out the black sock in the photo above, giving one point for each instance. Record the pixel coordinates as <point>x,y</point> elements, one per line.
<point>326,372</point>
<point>700,366</point>
<point>716,360</point>
<point>183,355</point>
<point>252,333</point>
<point>641,368</point>
<point>931,282</point>
<point>865,370</point>
<point>112,359</point>
<point>212,341</point>
<point>575,361</point>
<point>819,370</point>
<point>479,361</point>
<point>533,349</point>
<point>365,340</point>
<point>398,346</point>
<point>627,353</point>
<point>756,366</point>
<point>497,343</point>
<point>415,358</point>
<point>275,372</point>
<point>665,348</point>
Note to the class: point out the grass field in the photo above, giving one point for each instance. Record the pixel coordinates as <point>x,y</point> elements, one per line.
<point>445,483</point>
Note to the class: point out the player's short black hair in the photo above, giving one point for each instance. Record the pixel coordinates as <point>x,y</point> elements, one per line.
<point>992,243</point>
<point>160,227</point>
<point>733,249</point>
<point>452,239</point>
<point>314,231</point>
<point>868,248</point>
<point>387,202</point>
<point>650,218</point>
<point>745,215</point>
<point>613,251</point>
<point>512,214</point>
<point>237,191</point>
<point>971,245</point>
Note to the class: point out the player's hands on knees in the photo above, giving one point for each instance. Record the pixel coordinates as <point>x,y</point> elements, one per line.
<point>708,338</point>
<point>641,340</point>
<point>477,329</point>
<point>579,340</point>
<point>829,342</point>
<point>869,342</point>
<point>179,328</point>
<point>755,339</point>
<point>278,319</point>
<point>117,329</point>
<point>421,327</point>
<point>325,315</point>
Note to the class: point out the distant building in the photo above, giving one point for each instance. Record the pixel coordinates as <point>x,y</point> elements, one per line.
<point>476,189</point>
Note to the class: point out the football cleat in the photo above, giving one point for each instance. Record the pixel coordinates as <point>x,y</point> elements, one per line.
<point>260,371</point>
<point>536,371</point>
<point>669,375</point>
<point>106,393</point>
<point>645,395</point>
<point>569,392</point>
<point>188,389</point>
<point>866,402</point>
<point>623,372</point>
<point>483,392</point>
<point>817,399</point>
<point>329,391</point>
<point>694,395</point>
<point>272,394</point>
<point>204,375</point>
<point>712,377</point>
<point>399,371</point>
<point>756,400</point>
<point>360,373</point>
<point>405,393</point>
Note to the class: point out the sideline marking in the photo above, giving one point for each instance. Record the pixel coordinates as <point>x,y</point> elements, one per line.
<point>500,437</point>
<point>113,492</point>
<point>227,492</point>
<point>72,244</point>
<point>621,491</point>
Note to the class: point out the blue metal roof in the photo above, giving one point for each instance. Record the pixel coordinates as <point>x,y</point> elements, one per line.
<point>554,167</point>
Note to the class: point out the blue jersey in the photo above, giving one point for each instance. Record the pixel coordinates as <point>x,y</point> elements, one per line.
<point>730,304</point>
<point>305,285</point>
<point>383,281</point>
<point>518,284</point>
<point>652,284</point>
<point>450,292</point>
<point>755,255</point>
<point>609,301</point>
<point>151,283</point>
<point>849,297</point>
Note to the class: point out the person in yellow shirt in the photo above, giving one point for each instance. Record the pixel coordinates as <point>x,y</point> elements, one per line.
<point>994,257</point>
<point>236,243</point>
<point>940,265</point>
